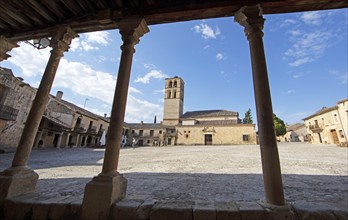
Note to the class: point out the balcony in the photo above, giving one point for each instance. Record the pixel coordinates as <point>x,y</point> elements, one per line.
<point>316,128</point>
<point>92,130</point>
<point>8,113</point>
<point>79,128</point>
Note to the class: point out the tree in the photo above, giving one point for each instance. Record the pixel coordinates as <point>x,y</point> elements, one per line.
<point>248,119</point>
<point>279,126</point>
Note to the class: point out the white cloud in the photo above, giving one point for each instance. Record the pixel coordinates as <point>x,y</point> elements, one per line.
<point>75,43</point>
<point>134,90</point>
<point>295,33</point>
<point>219,56</point>
<point>288,22</point>
<point>161,91</point>
<point>140,110</point>
<point>301,61</point>
<point>340,76</point>
<point>82,80</point>
<point>98,37</point>
<point>206,31</point>
<point>150,66</point>
<point>290,91</point>
<point>308,47</point>
<point>297,75</point>
<point>90,41</point>
<point>312,18</point>
<point>156,74</point>
<point>88,46</point>
<point>23,58</point>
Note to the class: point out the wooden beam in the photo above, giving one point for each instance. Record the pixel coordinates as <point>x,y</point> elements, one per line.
<point>28,11</point>
<point>41,9</point>
<point>16,15</point>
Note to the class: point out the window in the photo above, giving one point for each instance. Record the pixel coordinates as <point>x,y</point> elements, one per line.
<point>160,132</point>
<point>245,137</point>
<point>175,84</point>
<point>148,141</point>
<point>141,132</point>
<point>335,118</point>
<point>151,133</point>
<point>90,124</point>
<point>170,84</point>
<point>186,136</point>
<point>169,94</point>
<point>132,131</point>
<point>174,95</point>
<point>78,122</point>
<point>341,133</point>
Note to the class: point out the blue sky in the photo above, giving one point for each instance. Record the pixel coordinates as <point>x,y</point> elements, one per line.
<point>306,56</point>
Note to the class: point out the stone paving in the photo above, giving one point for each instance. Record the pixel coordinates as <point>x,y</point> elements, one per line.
<point>313,175</point>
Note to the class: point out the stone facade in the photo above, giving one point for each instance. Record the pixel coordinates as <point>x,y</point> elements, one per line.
<point>67,125</point>
<point>207,127</point>
<point>295,133</point>
<point>16,98</point>
<point>173,101</point>
<point>329,125</point>
<point>63,124</point>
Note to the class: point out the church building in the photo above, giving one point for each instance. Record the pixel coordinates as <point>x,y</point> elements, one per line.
<point>204,127</point>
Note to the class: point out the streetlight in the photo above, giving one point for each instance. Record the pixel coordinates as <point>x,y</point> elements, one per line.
<point>84,105</point>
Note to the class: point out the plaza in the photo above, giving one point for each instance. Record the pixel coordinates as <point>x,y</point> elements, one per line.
<point>314,176</point>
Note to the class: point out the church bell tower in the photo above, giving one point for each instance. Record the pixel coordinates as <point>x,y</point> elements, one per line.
<point>173,101</point>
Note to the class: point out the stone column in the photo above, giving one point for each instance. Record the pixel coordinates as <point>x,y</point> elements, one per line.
<point>110,186</point>
<point>19,178</point>
<point>250,17</point>
<point>6,45</point>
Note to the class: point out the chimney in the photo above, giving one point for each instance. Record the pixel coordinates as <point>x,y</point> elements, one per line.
<point>105,115</point>
<point>141,122</point>
<point>59,95</point>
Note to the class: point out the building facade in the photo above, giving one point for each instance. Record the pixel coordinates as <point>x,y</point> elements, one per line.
<point>62,125</point>
<point>207,127</point>
<point>295,133</point>
<point>16,98</point>
<point>329,125</point>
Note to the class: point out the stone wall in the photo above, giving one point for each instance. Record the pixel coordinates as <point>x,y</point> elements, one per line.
<point>221,135</point>
<point>19,96</point>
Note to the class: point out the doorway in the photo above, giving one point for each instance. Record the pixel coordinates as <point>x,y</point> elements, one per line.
<point>334,137</point>
<point>208,139</point>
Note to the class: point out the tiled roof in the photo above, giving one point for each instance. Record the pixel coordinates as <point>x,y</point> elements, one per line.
<point>208,113</point>
<point>56,121</point>
<point>294,127</point>
<point>321,111</point>
<point>146,125</point>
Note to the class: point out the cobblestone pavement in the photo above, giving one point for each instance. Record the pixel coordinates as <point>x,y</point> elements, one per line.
<point>313,175</point>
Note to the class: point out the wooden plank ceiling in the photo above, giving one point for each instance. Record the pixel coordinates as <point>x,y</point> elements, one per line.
<point>31,19</point>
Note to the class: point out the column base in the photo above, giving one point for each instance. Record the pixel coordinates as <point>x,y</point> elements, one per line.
<point>279,211</point>
<point>101,193</point>
<point>16,181</point>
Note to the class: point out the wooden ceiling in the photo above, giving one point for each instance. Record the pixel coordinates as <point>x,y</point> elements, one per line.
<point>30,19</point>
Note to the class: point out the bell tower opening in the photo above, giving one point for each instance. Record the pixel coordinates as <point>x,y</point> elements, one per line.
<point>173,101</point>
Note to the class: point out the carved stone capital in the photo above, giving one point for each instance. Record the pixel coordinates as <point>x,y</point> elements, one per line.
<point>6,45</point>
<point>61,39</point>
<point>131,31</point>
<point>250,17</point>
